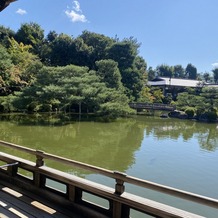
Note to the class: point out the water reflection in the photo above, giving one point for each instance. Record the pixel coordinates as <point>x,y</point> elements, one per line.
<point>208,140</point>
<point>109,145</point>
<point>207,134</point>
<point>167,151</point>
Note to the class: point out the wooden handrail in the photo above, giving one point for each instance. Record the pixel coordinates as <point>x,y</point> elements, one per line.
<point>118,176</point>
<point>78,164</point>
<point>173,191</point>
<point>155,106</point>
<point>18,147</point>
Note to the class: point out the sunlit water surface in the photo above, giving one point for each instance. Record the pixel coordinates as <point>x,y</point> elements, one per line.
<point>178,153</point>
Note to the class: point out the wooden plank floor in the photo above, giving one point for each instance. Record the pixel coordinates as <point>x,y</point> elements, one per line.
<point>16,203</point>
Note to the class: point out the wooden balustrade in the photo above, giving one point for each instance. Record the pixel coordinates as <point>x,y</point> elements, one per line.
<point>120,202</point>
<point>154,106</point>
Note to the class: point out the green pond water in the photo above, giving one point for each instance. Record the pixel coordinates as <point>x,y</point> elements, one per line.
<point>179,153</point>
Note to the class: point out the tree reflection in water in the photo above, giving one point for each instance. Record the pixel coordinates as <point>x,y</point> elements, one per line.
<point>108,145</point>
<point>206,133</point>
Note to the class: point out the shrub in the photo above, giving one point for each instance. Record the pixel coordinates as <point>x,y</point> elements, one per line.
<point>212,115</point>
<point>190,111</point>
<point>199,111</point>
<point>46,108</point>
<point>33,107</point>
<point>1,108</point>
<point>6,103</point>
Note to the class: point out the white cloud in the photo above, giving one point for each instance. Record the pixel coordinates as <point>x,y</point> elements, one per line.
<point>215,65</point>
<point>75,17</point>
<point>76,6</point>
<point>76,14</point>
<point>21,11</point>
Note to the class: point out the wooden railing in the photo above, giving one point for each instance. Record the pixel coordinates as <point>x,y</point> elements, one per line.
<point>155,106</point>
<point>119,202</point>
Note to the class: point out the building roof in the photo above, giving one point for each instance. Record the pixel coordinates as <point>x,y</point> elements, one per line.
<point>164,81</point>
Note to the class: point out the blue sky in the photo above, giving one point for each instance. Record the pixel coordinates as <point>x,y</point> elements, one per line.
<point>170,31</point>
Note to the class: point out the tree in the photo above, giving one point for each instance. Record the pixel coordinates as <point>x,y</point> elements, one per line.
<point>62,51</point>
<point>164,70</point>
<point>140,64</point>
<point>157,95</point>
<point>188,99</point>
<point>52,35</point>
<point>115,63</point>
<point>109,72</point>
<point>204,104</point>
<point>179,71</point>
<point>133,81</point>
<point>151,73</point>
<point>20,53</point>
<point>97,45</point>
<point>31,34</point>
<point>71,88</point>
<point>84,54</point>
<point>191,71</point>
<point>54,87</point>
<point>6,103</point>
<point>210,97</point>
<point>5,68</point>
<point>5,34</point>
<point>215,75</point>
<point>123,53</point>
<point>22,60</point>
<point>132,67</point>
<point>146,96</point>
<point>206,76</point>
<point>45,50</point>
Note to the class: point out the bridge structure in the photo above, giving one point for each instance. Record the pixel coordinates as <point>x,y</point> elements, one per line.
<point>34,196</point>
<point>155,106</point>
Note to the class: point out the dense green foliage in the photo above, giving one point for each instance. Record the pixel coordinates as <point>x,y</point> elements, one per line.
<point>71,88</point>
<point>91,73</point>
<point>203,104</point>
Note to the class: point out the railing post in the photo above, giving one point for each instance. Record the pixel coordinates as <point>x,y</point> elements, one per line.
<point>119,210</point>
<point>12,170</point>
<point>39,158</point>
<point>119,187</point>
<point>74,194</point>
<point>39,181</point>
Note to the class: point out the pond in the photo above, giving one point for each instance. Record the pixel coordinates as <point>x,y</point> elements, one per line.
<point>178,153</point>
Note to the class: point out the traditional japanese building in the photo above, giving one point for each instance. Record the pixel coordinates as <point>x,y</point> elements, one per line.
<point>175,85</point>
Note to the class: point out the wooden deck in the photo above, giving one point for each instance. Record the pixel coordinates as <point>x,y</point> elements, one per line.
<point>15,202</point>
<point>22,196</point>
